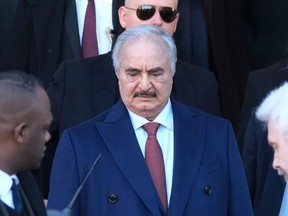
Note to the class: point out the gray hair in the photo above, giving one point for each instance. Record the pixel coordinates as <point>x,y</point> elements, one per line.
<point>147,32</point>
<point>275,107</point>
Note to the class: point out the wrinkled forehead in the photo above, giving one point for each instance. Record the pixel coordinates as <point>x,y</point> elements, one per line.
<point>153,44</point>
<point>276,132</point>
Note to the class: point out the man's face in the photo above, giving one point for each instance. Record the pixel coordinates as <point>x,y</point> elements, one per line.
<point>145,79</point>
<point>279,142</point>
<point>37,133</point>
<point>128,17</point>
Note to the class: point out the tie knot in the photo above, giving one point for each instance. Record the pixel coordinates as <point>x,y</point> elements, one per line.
<point>151,128</point>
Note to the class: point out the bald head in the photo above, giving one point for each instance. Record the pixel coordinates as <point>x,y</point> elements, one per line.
<point>25,117</point>
<point>128,14</point>
<point>18,94</point>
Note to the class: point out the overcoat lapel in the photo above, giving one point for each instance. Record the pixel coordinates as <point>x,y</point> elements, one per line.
<point>71,27</point>
<point>189,144</point>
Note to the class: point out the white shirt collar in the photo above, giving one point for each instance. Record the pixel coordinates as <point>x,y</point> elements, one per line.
<point>164,118</point>
<point>6,182</point>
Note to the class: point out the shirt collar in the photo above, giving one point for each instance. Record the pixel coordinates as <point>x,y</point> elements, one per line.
<point>164,118</point>
<point>6,182</point>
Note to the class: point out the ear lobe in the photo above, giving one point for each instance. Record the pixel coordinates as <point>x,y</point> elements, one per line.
<point>19,132</point>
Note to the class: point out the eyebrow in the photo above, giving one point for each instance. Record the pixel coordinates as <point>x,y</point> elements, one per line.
<point>156,69</point>
<point>151,70</point>
<point>132,69</point>
<point>272,143</point>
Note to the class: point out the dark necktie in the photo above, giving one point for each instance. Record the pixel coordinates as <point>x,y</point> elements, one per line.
<point>16,194</point>
<point>89,39</point>
<point>155,162</point>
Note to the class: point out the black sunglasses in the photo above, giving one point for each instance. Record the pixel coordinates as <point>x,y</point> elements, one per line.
<point>145,12</point>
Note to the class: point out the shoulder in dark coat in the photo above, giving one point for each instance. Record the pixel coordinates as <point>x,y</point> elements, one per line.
<point>260,83</point>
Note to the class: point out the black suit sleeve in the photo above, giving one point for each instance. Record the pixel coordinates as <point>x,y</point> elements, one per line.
<point>249,156</point>
<point>56,93</point>
<point>250,101</point>
<point>196,87</point>
<point>15,47</point>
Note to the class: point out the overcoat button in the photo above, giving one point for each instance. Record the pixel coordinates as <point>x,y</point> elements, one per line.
<point>207,190</point>
<point>112,198</point>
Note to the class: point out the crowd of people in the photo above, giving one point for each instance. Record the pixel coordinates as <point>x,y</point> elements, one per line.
<point>199,70</point>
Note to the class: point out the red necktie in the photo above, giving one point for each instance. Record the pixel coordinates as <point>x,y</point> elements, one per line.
<point>89,39</point>
<point>155,162</point>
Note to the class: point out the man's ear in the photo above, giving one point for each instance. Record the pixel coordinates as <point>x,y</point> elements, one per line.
<point>122,16</point>
<point>20,132</point>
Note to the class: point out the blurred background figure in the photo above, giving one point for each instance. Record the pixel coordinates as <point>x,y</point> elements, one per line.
<point>266,31</point>
<point>259,84</point>
<point>39,34</point>
<point>210,35</point>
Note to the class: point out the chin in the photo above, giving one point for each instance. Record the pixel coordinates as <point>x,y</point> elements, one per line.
<point>145,107</point>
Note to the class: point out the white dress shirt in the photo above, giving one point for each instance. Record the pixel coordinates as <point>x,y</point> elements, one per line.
<point>165,137</point>
<point>103,22</point>
<point>284,204</point>
<point>5,188</point>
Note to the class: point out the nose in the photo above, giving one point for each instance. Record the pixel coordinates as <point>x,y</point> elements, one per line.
<point>156,19</point>
<point>144,82</point>
<point>275,163</point>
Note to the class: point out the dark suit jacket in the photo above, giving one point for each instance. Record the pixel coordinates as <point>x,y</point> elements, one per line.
<point>259,84</point>
<point>227,48</point>
<point>267,31</point>
<point>44,33</point>
<point>32,193</point>
<point>7,13</point>
<point>84,88</point>
<point>205,155</point>
<point>265,185</point>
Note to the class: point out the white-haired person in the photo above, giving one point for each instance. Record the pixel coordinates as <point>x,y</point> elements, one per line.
<point>273,112</point>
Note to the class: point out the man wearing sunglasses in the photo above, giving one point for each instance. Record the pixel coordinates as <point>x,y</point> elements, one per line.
<point>146,12</point>
<point>163,14</point>
<point>84,88</point>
